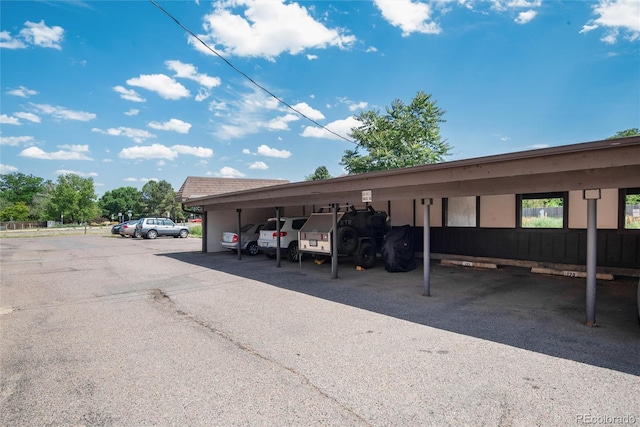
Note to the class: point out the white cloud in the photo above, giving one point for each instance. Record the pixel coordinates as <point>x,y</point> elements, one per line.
<point>341,127</point>
<point>246,151</point>
<point>266,29</point>
<point>616,16</point>
<point>246,114</point>
<point>154,151</point>
<point>282,123</point>
<point>63,113</point>
<point>193,151</point>
<point>22,92</point>
<point>525,17</point>
<point>162,84</point>
<point>14,141</point>
<point>175,125</point>
<point>71,172</point>
<point>132,112</point>
<point>28,116</point>
<point>4,169</point>
<point>353,106</point>
<point>188,71</point>
<point>137,135</point>
<point>267,151</point>
<point>68,152</point>
<point>311,57</point>
<point>502,5</point>
<point>8,42</point>
<point>39,34</point>
<point>9,120</point>
<point>409,16</point>
<point>35,34</point>
<point>202,94</point>
<point>228,172</point>
<point>128,94</point>
<point>308,111</point>
<point>258,165</point>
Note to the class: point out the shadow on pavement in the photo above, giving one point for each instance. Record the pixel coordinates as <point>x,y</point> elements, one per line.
<point>510,305</point>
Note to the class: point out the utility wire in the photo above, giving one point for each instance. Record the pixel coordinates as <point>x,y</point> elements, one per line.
<point>245,75</point>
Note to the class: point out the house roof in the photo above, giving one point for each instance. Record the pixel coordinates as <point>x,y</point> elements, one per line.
<point>613,163</point>
<point>197,186</point>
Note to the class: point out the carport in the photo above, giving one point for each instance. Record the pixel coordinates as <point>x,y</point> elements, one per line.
<point>587,167</point>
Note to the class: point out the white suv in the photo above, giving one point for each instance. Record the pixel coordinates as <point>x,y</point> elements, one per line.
<point>289,227</point>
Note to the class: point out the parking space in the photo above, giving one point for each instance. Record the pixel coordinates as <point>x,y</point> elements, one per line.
<point>100,330</point>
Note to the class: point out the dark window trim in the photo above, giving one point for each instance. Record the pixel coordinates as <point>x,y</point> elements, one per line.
<point>564,195</point>
<point>445,213</point>
<point>622,205</point>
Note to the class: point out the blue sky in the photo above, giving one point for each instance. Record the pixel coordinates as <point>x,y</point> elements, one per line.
<point>118,91</point>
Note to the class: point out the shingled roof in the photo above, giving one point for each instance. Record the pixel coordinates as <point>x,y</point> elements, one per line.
<point>197,186</point>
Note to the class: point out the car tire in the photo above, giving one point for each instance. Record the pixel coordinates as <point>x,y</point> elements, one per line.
<point>366,256</point>
<point>347,240</point>
<point>136,234</point>
<point>152,234</point>
<point>292,252</point>
<point>252,249</point>
<point>183,233</point>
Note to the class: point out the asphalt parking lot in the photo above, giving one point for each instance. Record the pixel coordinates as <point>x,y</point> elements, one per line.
<point>102,330</point>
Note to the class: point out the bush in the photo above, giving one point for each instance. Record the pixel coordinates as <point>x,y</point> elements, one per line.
<point>196,231</point>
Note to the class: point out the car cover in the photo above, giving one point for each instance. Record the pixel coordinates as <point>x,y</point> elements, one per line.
<point>397,250</point>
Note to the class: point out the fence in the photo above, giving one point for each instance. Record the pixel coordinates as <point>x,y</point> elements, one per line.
<point>23,225</point>
<point>551,212</point>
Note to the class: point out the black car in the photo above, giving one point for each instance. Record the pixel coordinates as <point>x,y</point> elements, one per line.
<point>116,228</point>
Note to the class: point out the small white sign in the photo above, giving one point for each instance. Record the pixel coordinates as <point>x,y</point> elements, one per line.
<point>636,213</point>
<point>366,196</point>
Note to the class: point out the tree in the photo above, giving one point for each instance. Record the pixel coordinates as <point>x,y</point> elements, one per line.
<point>626,133</point>
<point>408,135</point>
<point>73,199</point>
<point>17,187</point>
<point>321,172</point>
<point>18,211</point>
<point>121,200</point>
<point>159,199</point>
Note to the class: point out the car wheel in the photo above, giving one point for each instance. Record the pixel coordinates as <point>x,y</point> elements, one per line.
<point>184,233</point>
<point>123,235</point>
<point>152,234</point>
<point>292,252</point>
<point>366,256</point>
<point>252,249</point>
<point>136,233</point>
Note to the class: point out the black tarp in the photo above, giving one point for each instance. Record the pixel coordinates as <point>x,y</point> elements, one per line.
<point>397,250</point>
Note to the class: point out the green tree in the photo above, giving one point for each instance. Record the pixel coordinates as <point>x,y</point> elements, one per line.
<point>408,135</point>
<point>625,133</point>
<point>159,199</point>
<point>18,211</point>
<point>73,199</point>
<point>18,187</point>
<point>121,200</point>
<point>321,172</point>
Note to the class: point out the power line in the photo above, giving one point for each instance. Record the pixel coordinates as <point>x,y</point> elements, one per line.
<point>245,75</point>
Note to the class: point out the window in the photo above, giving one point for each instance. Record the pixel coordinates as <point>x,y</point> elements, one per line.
<point>630,208</point>
<point>542,210</point>
<point>461,211</point>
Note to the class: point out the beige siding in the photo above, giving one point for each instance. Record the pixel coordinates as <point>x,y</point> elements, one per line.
<point>607,209</point>
<point>401,211</point>
<point>498,211</point>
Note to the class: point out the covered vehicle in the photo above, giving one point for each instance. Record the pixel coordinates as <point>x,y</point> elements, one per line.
<point>397,250</point>
<point>249,239</point>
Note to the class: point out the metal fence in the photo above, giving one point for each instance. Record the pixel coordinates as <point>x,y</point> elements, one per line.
<point>555,212</point>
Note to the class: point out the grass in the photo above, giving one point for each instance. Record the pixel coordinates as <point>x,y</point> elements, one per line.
<point>196,231</point>
<point>537,222</point>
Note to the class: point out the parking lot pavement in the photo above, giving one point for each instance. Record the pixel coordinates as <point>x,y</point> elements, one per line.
<point>108,331</point>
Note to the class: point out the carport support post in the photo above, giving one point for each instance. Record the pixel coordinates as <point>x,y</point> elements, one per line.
<point>239,234</point>
<point>278,238</point>
<point>334,242</point>
<point>591,197</point>
<point>426,251</point>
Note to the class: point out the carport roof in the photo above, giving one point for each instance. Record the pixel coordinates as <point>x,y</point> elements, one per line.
<point>196,186</point>
<point>612,163</point>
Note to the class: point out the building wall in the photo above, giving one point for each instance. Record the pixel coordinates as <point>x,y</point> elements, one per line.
<point>227,220</point>
<point>498,211</point>
<point>607,212</point>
